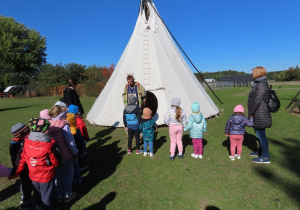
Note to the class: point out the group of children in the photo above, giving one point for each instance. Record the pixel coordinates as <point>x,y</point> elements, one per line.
<point>177,122</point>
<point>46,154</point>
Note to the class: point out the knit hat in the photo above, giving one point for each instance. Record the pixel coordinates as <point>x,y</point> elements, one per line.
<point>59,103</point>
<point>195,107</point>
<point>20,130</point>
<point>238,108</point>
<point>45,114</point>
<point>39,124</point>
<point>131,99</point>
<point>147,113</point>
<point>175,101</point>
<point>73,109</point>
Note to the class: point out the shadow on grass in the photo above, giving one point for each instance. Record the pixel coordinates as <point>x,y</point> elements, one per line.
<point>250,141</point>
<point>289,160</point>
<point>103,161</point>
<point>211,208</point>
<point>103,133</point>
<point>12,108</point>
<point>104,202</point>
<point>158,142</point>
<point>10,190</point>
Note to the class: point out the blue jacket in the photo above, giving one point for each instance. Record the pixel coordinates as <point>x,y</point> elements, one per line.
<point>236,124</point>
<point>197,125</point>
<point>131,117</point>
<point>148,128</point>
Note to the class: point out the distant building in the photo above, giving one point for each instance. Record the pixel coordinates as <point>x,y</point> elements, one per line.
<point>210,80</point>
<point>238,80</point>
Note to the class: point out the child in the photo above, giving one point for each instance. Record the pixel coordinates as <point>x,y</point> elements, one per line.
<point>20,131</point>
<point>4,171</point>
<point>39,155</point>
<point>147,126</point>
<point>131,119</point>
<point>235,126</point>
<point>175,118</point>
<point>79,122</point>
<point>197,127</point>
<point>61,133</point>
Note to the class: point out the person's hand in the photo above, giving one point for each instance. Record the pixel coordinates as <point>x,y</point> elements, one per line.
<point>12,176</point>
<point>204,133</point>
<point>226,135</point>
<point>250,116</point>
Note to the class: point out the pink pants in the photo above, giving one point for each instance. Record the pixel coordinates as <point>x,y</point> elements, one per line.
<point>236,141</point>
<point>175,132</point>
<point>198,147</point>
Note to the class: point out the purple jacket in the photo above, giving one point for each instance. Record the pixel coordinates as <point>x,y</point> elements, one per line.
<point>236,124</point>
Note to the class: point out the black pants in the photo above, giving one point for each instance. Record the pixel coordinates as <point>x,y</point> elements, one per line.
<point>26,187</point>
<point>44,195</point>
<point>136,133</point>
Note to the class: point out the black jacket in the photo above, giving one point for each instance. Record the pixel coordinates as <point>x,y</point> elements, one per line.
<point>71,97</point>
<point>257,105</point>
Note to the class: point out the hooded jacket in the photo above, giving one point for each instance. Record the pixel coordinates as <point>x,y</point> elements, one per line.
<point>131,117</point>
<point>236,124</point>
<point>148,127</point>
<point>38,147</point>
<point>196,125</point>
<point>257,106</point>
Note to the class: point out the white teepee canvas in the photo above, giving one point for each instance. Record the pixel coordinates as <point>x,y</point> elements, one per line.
<point>155,61</point>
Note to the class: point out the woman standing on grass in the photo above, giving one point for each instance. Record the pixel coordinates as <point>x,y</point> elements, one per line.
<point>71,96</point>
<point>258,109</point>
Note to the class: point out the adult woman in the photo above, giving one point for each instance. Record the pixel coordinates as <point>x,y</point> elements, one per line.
<point>71,96</point>
<point>258,109</point>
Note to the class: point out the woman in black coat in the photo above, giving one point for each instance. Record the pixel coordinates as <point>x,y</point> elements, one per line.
<point>258,109</point>
<point>71,96</point>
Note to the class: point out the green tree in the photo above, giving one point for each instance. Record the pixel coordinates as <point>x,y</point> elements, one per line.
<point>22,51</point>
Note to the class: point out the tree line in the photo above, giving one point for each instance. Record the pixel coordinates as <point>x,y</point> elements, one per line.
<point>23,62</point>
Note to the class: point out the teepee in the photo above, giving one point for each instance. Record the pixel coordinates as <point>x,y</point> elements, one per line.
<point>155,61</point>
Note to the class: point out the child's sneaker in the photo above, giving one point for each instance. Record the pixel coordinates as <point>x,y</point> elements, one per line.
<point>231,158</point>
<point>151,154</point>
<point>129,152</point>
<point>194,156</point>
<point>180,156</point>
<point>145,153</point>
<point>238,156</point>
<point>69,198</point>
<point>172,158</point>
<point>254,153</point>
<point>200,156</point>
<point>139,151</point>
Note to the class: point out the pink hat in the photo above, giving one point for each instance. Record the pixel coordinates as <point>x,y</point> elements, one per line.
<point>239,108</point>
<point>44,114</point>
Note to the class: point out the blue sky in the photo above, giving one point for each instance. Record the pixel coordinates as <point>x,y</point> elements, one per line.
<point>217,35</point>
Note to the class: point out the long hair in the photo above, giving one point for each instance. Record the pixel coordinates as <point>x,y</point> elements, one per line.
<point>178,111</point>
<point>55,110</point>
<point>72,82</point>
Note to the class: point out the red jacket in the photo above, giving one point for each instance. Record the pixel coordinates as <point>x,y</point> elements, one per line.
<point>37,147</point>
<point>82,127</point>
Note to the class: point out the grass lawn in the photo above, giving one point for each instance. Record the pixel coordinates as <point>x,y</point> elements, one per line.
<point>116,180</point>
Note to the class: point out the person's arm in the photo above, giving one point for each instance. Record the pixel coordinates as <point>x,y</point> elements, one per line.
<point>204,125</point>
<point>68,97</point>
<point>124,119</point>
<point>124,95</point>
<point>69,139</point>
<point>227,127</point>
<point>82,127</point>
<point>167,118</point>
<point>184,121</point>
<point>249,122</point>
<point>189,125</point>
<point>259,92</point>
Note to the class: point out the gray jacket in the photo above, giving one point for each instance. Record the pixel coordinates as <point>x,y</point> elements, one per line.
<point>257,106</point>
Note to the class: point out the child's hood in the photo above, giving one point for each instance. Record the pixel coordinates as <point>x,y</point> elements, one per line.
<point>197,117</point>
<point>237,119</point>
<point>130,108</point>
<point>38,136</point>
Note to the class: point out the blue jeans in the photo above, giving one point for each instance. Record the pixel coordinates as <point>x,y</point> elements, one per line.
<point>77,176</point>
<point>263,142</point>
<point>150,146</point>
<point>64,179</point>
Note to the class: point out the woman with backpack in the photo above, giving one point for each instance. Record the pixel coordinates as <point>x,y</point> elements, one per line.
<point>258,109</point>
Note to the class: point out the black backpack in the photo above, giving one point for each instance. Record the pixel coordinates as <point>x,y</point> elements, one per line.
<point>273,103</point>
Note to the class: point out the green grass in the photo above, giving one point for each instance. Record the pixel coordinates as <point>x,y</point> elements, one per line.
<point>119,181</point>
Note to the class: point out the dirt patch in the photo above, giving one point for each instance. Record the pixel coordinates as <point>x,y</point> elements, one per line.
<point>244,93</point>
